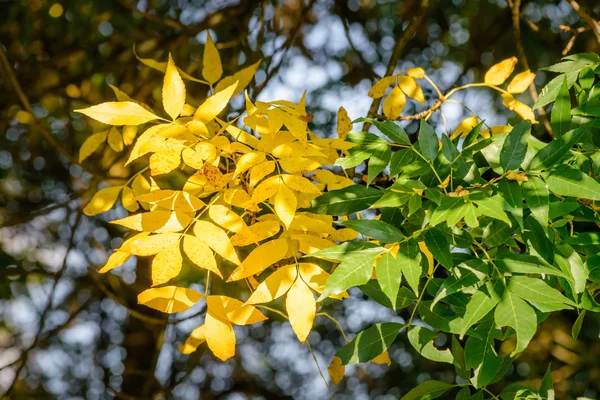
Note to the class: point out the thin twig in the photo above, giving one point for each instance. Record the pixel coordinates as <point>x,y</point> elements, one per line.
<point>594,24</point>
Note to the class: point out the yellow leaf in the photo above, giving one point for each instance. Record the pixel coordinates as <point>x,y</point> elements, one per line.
<point>344,123</point>
<point>214,105</point>
<point>122,96</point>
<point>465,127</point>
<point>343,235</point>
<point>266,189</point>
<point>119,113</point>
<point>226,218</point>
<point>212,70</point>
<point>521,82</point>
<point>520,108</point>
<point>495,130</point>
<point>140,185</point>
<point>394,103</point>
<point>159,221</point>
<point>219,336</point>
<point>166,160</point>
<point>380,87</point>
<point>261,258</point>
<point>418,73</point>
<point>301,308</point>
<point>309,244</point>
<point>258,172</point>
<point>248,161</point>
<point>169,299</point>
<point>144,138</point>
<point>239,198</point>
<point>233,310</point>
<point>296,149</point>
<point>500,72</point>
<point>150,245</point>
<point>115,140</point>
<point>300,184</point>
<point>275,286</point>
<point>256,233</point>
<point>383,358</point>
<point>285,204</point>
<point>173,200</point>
<point>411,88</point>
<point>102,201</point>
<point>173,90</point>
<point>242,77</point>
<point>336,370</point>
<point>127,199</point>
<point>216,239</point>
<point>196,338</point>
<point>298,164</point>
<point>200,254</point>
<point>310,223</point>
<point>115,260</point>
<point>429,257</point>
<point>92,144</point>
<point>129,133</point>
<point>166,265</point>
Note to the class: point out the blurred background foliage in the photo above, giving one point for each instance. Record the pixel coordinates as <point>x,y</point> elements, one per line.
<point>68,333</point>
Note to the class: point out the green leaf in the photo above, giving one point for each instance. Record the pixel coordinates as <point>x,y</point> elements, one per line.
<point>584,239</point>
<point>538,293</point>
<point>524,264</point>
<point>574,183</point>
<point>389,129</point>
<point>421,340</point>
<point>451,210</point>
<point>577,325</point>
<point>345,201</point>
<point>480,354</point>
<point>380,157</point>
<point>356,155</point>
<point>400,160</point>
<point>497,233</point>
<point>550,91</point>
<point>404,298</point>
<point>369,343</point>
<point>348,250</point>
<point>514,312</point>
<point>590,109</point>
<point>375,229</point>
<point>440,248</point>
<point>481,303</point>
<point>549,155</point>
<point>449,149</point>
<point>409,257</point>
<point>428,141</point>
<point>492,207</point>
<point>440,317</point>
<point>535,193</point>
<point>365,138</point>
<point>546,387</point>
<point>537,241</point>
<point>560,118</point>
<point>466,275</point>
<point>354,271</point>
<point>463,394</point>
<point>427,390</point>
<point>389,276</point>
<point>510,191</point>
<point>515,146</point>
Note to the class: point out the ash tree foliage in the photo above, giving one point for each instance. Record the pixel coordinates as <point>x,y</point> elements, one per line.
<point>480,234</point>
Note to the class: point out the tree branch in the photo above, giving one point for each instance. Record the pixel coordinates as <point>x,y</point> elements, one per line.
<point>594,25</point>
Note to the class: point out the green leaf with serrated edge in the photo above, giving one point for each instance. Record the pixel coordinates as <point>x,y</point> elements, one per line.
<point>389,129</point>
<point>404,298</point>
<point>369,343</point>
<point>415,203</point>
<point>524,264</point>
<point>574,183</point>
<point>409,257</point>
<point>497,233</point>
<point>482,302</point>
<point>550,91</point>
<point>587,78</point>
<point>560,117</point>
<point>389,276</point>
<point>440,317</point>
<point>345,201</point>
<point>546,387</point>
<point>466,275</point>
<point>391,199</point>
<point>578,324</point>
<point>537,241</point>
<point>365,138</point>
<point>451,210</point>
<point>449,149</point>
<point>575,265</point>
<point>536,195</point>
<point>439,247</point>
<point>558,209</point>
<point>421,340</point>
<point>347,250</point>
<point>538,293</point>
<point>510,191</point>
<point>515,146</point>
<point>428,141</point>
<point>356,155</point>
<point>514,312</point>
<point>375,229</point>
<point>354,271</point>
<point>584,239</point>
<point>380,157</point>
<point>493,208</point>
<point>400,159</point>
<point>549,155</point>
<point>590,109</point>
<point>481,356</point>
<point>428,390</point>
